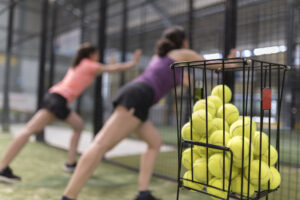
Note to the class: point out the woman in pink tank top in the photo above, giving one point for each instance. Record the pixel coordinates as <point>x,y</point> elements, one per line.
<point>84,69</point>
<point>131,104</point>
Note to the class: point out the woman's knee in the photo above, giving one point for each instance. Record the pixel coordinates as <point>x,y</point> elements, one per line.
<point>78,126</point>
<point>29,131</point>
<point>156,144</point>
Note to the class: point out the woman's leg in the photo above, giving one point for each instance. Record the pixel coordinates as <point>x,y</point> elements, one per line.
<point>37,123</point>
<point>151,136</point>
<point>75,121</point>
<point>121,123</point>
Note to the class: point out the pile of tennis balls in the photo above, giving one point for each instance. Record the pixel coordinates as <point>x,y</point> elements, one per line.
<point>210,125</point>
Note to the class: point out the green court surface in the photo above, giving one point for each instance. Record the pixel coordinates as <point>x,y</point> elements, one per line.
<point>43,178</point>
<point>40,167</point>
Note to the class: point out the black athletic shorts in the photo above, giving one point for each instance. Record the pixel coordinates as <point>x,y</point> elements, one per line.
<point>137,95</point>
<point>56,104</point>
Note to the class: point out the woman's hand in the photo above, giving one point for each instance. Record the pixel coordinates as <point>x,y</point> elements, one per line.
<point>136,57</point>
<point>112,60</point>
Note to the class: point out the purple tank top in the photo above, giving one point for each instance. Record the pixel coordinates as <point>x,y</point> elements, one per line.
<point>159,76</point>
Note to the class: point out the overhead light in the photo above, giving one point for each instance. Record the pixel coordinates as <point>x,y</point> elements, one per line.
<point>246,53</point>
<point>269,50</point>
<point>282,48</point>
<point>212,56</point>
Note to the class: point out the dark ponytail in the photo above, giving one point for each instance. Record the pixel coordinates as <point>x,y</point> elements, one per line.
<point>172,38</point>
<point>84,51</point>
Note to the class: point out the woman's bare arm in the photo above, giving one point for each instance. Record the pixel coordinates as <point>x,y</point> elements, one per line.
<point>118,67</point>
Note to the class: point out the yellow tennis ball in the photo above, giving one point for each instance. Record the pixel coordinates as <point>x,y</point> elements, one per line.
<point>245,117</point>
<point>200,170</point>
<point>236,186</point>
<point>264,143</point>
<point>216,100</point>
<point>201,150</point>
<point>186,133</point>
<point>199,122</point>
<point>218,183</point>
<point>216,165</point>
<point>217,124</point>
<point>189,181</point>
<point>265,173</point>
<point>218,91</point>
<point>201,105</point>
<point>275,179</point>
<point>273,156</point>
<point>186,159</point>
<point>219,138</point>
<point>237,128</point>
<point>236,146</point>
<point>231,113</point>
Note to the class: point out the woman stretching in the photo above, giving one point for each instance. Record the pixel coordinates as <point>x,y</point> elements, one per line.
<point>131,106</point>
<point>84,69</point>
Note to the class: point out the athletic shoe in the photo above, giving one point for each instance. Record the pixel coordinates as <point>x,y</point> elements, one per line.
<point>147,197</point>
<point>7,176</point>
<point>70,167</point>
<point>66,198</point>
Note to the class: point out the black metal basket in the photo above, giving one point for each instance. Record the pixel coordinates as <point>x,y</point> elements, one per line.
<point>256,81</point>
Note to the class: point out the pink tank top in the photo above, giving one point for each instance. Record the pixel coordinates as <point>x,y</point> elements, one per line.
<point>76,80</point>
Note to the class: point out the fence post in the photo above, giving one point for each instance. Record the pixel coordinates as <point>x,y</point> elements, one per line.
<point>98,102</point>
<point>230,38</point>
<point>191,23</point>
<point>82,40</point>
<point>291,30</point>
<point>191,41</point>
<point>42,60</point>
<point>52,43</point>
<point>10,25</point>
<point>123,39</point>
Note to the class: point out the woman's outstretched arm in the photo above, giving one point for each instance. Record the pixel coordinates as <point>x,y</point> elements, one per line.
<point>118,67</point>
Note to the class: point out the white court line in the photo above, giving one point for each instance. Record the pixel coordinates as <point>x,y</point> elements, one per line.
<point>60,136</point>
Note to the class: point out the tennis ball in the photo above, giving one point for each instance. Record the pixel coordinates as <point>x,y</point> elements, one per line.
<point>216,164</point>
<point>218,91</point>
<point>236,186</point>
<point>187,158</point>
<point>246,117</point>
<point>275,179</point>
<point>218,183</point>
<point>201,150</point>
<point>186,133</point>
<point>201,105</point>
<point>190,184</point>
<point>264,143</point>
<point>273,156</point>
<point>217,124</point>
<point>199,122</point>
<point>200,170</point>
<point>236,129</point>
<point>231,113</point>
<point>264,171</point>
<point>216,100</point>
<point>236,146</point>
<point>219,138</point>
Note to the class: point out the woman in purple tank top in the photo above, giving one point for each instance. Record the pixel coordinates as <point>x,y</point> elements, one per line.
<point>131,106</point>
